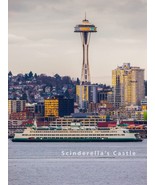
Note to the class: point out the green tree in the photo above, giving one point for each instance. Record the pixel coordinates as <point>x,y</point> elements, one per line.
<point>30,74</point>
<point>35,75</point>
<point>10,73</point>
<point>24,96</point>
<point>66,94</point>
<point>26,76</point>
<point>145,116</point>
<point>78,81</point>
<point>58,77</point>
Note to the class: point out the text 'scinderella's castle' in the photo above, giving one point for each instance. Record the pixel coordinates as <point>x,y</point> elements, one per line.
<point>84,89</point>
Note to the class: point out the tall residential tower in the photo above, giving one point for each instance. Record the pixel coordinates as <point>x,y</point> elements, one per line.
<point>128,85</point>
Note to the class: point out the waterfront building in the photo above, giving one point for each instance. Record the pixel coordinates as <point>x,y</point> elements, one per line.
<point>144,104</point>
<point>133,108</point>
<point>128,85</point>
<point>30,110</point>
<point>102,108</point>
<point>66,107</point>
<point>30,107</point>
<point>93,94</point>
<point>39,109</point>
<point>58,106</point>
<point>85,29</point>
<point>84,120</point>
<point>110,97</point>
<point>102,95</point>
<point>138,115</point>
<point>51,107</point>
<point>85,98</point>
<point>93,107</point>
<point>82,95</point>
<point>18,116</point>
<point>9,107</point>
<point>16,106</point>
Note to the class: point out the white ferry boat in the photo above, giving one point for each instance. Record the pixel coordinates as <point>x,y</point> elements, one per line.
<point>75,133</point>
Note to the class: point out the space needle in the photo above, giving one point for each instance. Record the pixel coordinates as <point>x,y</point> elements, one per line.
<point>85,29</point>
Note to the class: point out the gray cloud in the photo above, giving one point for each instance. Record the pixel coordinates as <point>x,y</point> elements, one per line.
<point>43,32</point>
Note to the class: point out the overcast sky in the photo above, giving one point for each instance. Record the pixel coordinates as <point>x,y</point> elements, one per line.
<point>42,38</point>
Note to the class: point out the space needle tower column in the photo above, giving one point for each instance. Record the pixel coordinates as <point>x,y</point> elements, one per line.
<point>85,29</point>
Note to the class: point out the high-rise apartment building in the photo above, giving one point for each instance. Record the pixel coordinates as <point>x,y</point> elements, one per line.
<point>128,85</point>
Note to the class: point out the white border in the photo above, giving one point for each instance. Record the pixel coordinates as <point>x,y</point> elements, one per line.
<point>151,91</point>
<point>3,92</point>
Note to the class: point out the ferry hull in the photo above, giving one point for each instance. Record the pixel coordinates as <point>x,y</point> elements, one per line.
<point>77,140</point>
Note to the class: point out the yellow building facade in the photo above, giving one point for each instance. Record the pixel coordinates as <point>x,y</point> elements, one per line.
<point>51,107</point>
<point>16,106</point>
<point>128,85</point>
<point>80,89</point>
<point>118,86</point>
<point>9,107</point>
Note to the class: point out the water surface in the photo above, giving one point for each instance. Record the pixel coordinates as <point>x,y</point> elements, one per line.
<point>77,163</point>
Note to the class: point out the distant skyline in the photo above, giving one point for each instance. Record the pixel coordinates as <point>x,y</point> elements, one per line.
<point>42,38</point>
